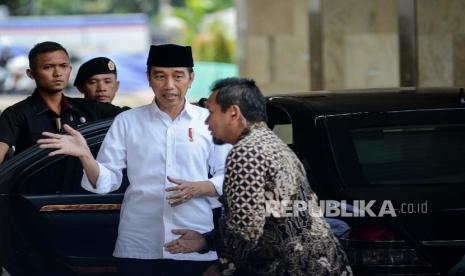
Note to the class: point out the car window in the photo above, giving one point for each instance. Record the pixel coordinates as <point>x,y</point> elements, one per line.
<point>280,122</point>
<point>284,132</point>
<point>411,154</point>
<point>58,176</point>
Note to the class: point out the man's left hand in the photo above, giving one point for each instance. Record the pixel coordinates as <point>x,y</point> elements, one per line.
<point>187,190</point>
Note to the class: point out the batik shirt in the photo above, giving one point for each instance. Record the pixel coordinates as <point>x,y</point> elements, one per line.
<point>257,239</point>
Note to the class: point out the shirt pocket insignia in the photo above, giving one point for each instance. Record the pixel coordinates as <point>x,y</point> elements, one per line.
<point>191,134</point>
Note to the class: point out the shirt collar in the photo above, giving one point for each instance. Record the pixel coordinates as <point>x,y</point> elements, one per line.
<point>257,126</point>
<point>39,105</point>
<point>188,109</point>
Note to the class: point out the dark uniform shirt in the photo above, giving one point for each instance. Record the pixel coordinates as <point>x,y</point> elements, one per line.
<point>22,124</point>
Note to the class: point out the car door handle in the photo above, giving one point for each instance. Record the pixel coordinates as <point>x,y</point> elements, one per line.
<point>80,207</point>
<point>444,243</point>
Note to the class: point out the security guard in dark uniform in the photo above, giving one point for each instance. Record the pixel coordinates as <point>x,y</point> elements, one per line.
<point>22,124</point>
<point>47,109</point>
<point>97,79</point>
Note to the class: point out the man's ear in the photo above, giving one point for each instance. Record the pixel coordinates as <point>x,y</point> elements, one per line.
<point>30,73</point>
<point>235,111</point>
<point>237,119</point>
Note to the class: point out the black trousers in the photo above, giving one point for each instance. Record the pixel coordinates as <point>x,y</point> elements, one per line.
<point>161,267</point>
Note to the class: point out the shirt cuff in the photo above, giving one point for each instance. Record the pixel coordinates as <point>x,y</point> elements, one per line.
<point>214,202</point>
<point>210,244</point>
<point>6,141</point>
<point>103,181</point>
<point>218,183</point>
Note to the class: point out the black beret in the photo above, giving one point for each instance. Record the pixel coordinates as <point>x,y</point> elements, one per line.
<point>95,66</point>
<point>170,55</point>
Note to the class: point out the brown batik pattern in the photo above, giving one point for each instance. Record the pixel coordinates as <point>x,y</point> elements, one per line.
<point>261,167</point>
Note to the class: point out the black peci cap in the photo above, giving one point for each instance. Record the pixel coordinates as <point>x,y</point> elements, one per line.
<point>95,66</point>
<point>170,55</point>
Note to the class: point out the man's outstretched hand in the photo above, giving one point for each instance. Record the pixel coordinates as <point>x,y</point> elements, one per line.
<point>73,144</point>
<point>189,241</point>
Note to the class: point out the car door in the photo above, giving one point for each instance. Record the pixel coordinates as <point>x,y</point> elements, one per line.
<point>52,224</point>
<point>414,159</point>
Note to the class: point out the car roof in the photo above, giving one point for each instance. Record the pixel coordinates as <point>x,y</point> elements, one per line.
<point>370,100</point>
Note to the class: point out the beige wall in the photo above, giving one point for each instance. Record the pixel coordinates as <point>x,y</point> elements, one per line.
<point>441,42</point>
<point>359,43</point>
<point>273,44</point>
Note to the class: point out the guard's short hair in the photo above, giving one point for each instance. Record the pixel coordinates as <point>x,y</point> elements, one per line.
<point>44,47</point>
<point>244,93</point>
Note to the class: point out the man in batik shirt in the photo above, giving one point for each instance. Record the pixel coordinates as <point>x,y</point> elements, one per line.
<point>261,171</point>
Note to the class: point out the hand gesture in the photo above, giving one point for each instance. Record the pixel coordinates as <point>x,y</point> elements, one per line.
<point>190,241</point>
<point>73,144</point>
<point>187,190</point>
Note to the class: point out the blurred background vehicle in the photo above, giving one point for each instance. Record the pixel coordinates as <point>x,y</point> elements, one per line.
<point>122,32</point>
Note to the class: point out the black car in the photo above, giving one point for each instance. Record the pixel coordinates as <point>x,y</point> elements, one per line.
<point>401,146</point>
<point>49,224</point>
<point>403,151</point>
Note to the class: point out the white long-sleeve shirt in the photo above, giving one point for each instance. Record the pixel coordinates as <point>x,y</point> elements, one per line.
<point>152,146</point>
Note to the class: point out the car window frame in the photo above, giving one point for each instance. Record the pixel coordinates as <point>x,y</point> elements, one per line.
<point>338,128</point>
<point>35,158</point>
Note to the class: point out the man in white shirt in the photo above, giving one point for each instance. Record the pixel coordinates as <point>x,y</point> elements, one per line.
<point>161,145</point>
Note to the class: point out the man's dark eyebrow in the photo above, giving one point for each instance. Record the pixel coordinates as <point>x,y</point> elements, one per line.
<point>54,64</point>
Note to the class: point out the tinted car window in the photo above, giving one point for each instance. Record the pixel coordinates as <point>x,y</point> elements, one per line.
<point>411,155</point>
<point>280,122</point>
<point>59,176</point>
<point>284,132</point>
